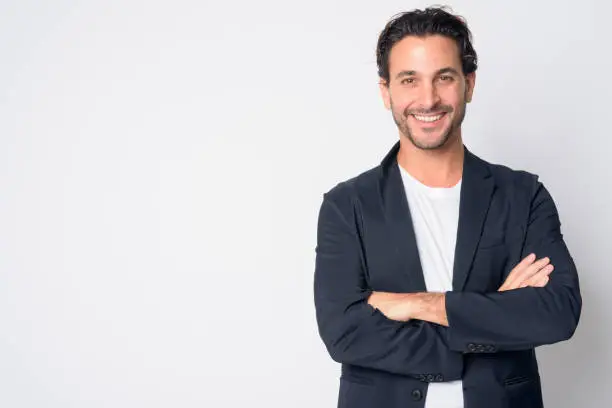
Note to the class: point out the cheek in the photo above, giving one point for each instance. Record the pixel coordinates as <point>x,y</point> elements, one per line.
<point>401,103</point>
<point>397,107</point>
<point>448,96</point>
<point>454,96</point>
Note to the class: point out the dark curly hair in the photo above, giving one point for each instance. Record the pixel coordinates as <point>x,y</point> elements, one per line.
<point>432,20</point>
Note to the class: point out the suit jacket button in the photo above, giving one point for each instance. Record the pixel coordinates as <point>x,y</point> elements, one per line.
<point>471,347</point>
<point>417,394</point>
<point>430,377</point>
<point>439,378</point>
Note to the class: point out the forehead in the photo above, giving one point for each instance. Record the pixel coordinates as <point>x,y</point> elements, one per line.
<point>424,54</point>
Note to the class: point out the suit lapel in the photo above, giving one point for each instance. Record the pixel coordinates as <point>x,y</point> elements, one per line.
<point>476,189</point>
<point>399,222</point>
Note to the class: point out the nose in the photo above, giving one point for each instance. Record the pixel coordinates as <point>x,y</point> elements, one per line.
<point>429,97</point>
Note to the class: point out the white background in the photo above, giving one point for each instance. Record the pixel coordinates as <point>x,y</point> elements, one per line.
<point>162,166</point>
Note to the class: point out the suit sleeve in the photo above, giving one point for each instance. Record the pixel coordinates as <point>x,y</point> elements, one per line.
<point>352,330</point>
<point>527,317</point>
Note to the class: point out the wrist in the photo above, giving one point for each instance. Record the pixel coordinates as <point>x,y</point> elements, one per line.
<point>431,307</point>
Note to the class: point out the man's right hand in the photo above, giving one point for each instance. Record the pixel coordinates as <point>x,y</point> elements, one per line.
<point>528,272</point>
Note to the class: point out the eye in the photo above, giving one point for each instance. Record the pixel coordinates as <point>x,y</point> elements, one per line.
<point>407,81</point>
<point>446,78</point>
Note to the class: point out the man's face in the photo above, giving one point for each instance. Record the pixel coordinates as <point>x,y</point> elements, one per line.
<point>427,91</point>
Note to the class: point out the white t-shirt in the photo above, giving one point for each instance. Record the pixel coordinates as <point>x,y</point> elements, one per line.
<point>435,217</point>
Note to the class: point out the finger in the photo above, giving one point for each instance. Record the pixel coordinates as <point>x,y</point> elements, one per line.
<point>540,282</point>
<point>528,270</point>
<point>527,260</point>
<point>522,277</point>
<point>511,278</point>
<point>534,268</point>
<point>543,282</point>
<point>541,278</point>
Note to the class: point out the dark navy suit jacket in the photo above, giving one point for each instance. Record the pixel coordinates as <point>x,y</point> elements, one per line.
<point>366,242</point>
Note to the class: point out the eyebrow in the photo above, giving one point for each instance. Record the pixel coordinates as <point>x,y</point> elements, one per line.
<point>438,72</point>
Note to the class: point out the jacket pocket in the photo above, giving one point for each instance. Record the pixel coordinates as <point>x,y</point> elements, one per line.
<point>523,392</point>
<point>494,238</point>
<point>356,379</point>
<point>490,239</point>
<point>354,394</point>
<point>516,380</point>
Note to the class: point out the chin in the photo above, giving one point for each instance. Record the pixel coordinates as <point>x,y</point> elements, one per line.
<point>427,143</point>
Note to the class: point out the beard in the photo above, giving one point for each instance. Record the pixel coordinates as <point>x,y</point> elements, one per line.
<point>401,119</point>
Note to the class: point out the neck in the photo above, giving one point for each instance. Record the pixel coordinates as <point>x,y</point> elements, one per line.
<point>442,167</point>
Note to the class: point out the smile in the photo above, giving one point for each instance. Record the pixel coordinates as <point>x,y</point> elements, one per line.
<point>428,119</point>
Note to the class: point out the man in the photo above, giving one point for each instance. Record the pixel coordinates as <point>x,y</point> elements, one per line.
<point>434,275</point>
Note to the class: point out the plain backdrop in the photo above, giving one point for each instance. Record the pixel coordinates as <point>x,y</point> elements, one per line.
<point>162,164</point>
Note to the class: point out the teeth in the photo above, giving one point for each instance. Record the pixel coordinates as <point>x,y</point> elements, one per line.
<point>428,118</point>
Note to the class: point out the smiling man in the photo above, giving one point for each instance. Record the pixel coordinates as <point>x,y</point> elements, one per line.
<point>434,80</point>
<point>437,273</point>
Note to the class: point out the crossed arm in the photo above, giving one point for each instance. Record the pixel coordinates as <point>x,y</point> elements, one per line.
<point>428,332</point>
<point>529,316</point>
<point>431,306</point>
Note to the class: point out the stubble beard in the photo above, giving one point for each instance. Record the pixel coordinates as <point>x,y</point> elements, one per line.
<point>401,120</point>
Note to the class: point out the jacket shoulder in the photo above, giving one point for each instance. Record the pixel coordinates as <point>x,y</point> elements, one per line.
<point>516,180</point>
<point>344,193</point>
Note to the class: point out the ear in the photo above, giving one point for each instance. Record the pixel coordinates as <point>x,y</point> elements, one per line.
<point>384,93</point>
<point>470,82</point>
